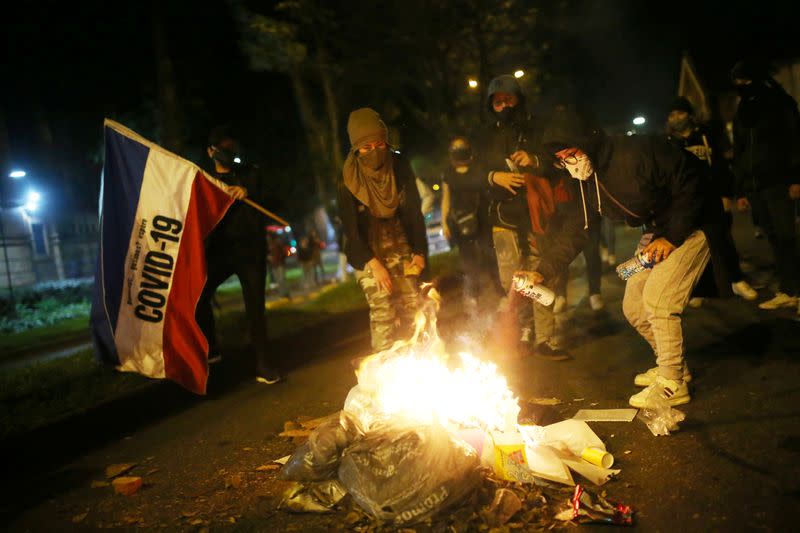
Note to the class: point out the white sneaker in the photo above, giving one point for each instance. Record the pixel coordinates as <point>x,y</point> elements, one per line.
<point>663,390</point>
<point>645,379</point>
<point>780,301</point>
<point>596,302</point>
<point>695,302</point>
<point>743,289</point>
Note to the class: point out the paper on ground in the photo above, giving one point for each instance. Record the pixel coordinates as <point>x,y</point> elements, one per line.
<point>606,415</point>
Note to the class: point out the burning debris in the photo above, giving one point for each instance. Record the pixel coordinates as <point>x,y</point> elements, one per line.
<point>423,432</point>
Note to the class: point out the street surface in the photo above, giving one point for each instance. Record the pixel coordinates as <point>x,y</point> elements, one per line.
<point>733,466</point>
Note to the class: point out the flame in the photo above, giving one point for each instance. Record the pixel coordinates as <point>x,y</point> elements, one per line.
<point>417,381</point>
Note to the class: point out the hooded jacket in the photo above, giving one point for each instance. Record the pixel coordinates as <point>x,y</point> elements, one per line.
<point>766,132</point>
<point>644,181</point>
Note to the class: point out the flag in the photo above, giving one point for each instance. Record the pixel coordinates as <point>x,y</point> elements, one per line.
<point>689,86</point>
<point>155,211</point>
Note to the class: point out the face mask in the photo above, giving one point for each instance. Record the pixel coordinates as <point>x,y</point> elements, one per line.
<point>223,156</point>
<point>679,125</point>
<point>746,91</point>
<point>506,115</point>
<point>374,159</point>
<point>582,169</point>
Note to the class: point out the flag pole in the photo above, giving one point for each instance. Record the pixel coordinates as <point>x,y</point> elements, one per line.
<point>266,212</point>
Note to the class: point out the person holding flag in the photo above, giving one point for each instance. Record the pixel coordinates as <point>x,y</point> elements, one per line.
<point>238,246</point>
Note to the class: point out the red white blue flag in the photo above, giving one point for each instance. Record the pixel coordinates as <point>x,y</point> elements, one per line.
<point>155,211</point>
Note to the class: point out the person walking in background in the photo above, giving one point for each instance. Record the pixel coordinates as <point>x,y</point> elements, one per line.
<point>766,162</point>
<point>684,131</point>
<point>316,257</point>
<point>277,261</point>
<point>384,230</point>
<point>464,207</point>
<point>305,256</point>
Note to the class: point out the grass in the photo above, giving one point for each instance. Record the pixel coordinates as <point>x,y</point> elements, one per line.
<point>12,345</point>
<point>34,395</point>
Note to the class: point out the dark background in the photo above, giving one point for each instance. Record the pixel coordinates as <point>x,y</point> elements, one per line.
<point>68,65</point>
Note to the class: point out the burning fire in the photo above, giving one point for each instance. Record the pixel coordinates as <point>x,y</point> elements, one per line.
<point>417,381</point>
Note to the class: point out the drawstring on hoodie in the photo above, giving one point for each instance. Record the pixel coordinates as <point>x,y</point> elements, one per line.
<point>583,201</point>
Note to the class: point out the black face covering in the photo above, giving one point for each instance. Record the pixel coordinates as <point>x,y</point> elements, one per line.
<point>679,125</point>
<point>223,156</point>
<point>373,159</point>
<point>507,115</point>
<point>746,91</point>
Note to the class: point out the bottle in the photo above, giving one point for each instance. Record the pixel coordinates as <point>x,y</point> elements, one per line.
<point>521,282</point>
<point>634,265</point>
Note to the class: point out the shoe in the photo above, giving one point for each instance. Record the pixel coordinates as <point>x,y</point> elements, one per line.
<point>663,390</point>
<point>545,351</point>
<point>214,358</point>
<point>525,336</point>
<point>780,301</point>
<point>743,289</point>
<point>559,305</point>
<point>269,377</point>
<point>645,379</point>
<point>596,302</point>
<point>695,302</point>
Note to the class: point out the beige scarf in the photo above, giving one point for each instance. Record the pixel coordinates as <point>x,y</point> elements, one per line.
<point>376,189</point>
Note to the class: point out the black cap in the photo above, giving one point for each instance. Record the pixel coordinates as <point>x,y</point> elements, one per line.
<point>222,133</point>
<point>750,69</point>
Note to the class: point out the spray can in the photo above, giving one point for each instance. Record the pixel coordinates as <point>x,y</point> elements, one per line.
<point>522,283</point>
<point>634,265</point>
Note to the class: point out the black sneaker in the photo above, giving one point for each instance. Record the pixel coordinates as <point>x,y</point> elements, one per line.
<point>545,351</point>
<point>269,377</point>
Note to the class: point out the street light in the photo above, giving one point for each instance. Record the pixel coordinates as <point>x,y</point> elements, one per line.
<point>638,121</point>
<point>32,203</point>
<point>473,83</point>
<point>519,73</point>
<point>17,174</point>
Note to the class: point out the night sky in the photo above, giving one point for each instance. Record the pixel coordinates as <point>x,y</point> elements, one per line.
<point>76,62</point>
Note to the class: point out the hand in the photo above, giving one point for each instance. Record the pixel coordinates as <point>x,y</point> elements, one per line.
<point>794,191</point>
<point>742,204</point>
<point>534,276</point>
<point>418,261</point>
<point>522,158</point>
<point>659,249</point>
<point>446,231</point>
<point>237,192</point>
<point>508,180</point>
<point>381,275</point>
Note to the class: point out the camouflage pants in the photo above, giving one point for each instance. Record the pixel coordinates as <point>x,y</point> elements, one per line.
<point>391,315</point>
<point>548,326</point>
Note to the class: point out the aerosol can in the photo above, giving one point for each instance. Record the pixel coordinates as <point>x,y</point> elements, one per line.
<point>634,265</point>
<point>523,284</point>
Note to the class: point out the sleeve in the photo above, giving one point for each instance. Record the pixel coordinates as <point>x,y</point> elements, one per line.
<point>681,175</point>
<point>567,240</point>
<point>356,250</point>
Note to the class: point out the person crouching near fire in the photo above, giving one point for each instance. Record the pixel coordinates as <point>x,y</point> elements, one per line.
<point>384,232</point>
<point>647,182</point>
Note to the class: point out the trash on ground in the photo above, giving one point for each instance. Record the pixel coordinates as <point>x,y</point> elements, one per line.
<point>316,497</point>
<point>504,506</point>
<point>588,508</point>
<point>661,419</point>
<point>115,470</point>
<point>544,401</point>
<point>605,415</point>
<point>267,468</point>
<point>127,485</point>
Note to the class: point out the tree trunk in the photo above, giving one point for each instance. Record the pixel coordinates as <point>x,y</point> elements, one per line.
<point>314,133</point>
<point>167,111</point>
<point>332,111</point>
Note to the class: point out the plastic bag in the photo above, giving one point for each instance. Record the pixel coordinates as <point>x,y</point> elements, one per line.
<point>661,418</point>
<point>588,508</point>
<point>406,475</point>
<point>318,497</point>
<point>318,459</point>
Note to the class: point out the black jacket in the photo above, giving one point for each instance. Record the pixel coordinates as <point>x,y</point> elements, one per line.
<point>706,146</point>
<point>467,196</point>
<point>242,231</point>
<point>644,181</point>
<point>766,132</point>
<point>356,216</point>
<point>495,143</point>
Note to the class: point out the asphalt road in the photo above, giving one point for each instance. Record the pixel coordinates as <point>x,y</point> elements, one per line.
<point>733,466</point>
